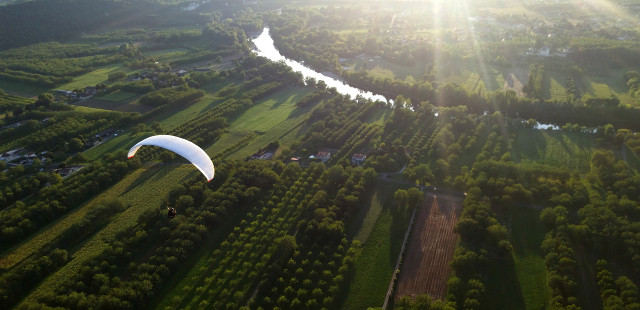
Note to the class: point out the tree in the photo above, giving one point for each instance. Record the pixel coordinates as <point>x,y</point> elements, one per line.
<point>184,201</point>
<point>54,178</point>
<point>138,128</point>
<point>167,156</point>
<point>310,81</point>
<point>501,61</point>
<point>414,196</point>
<point>321,85</point>
<point>157,128</point>
<point>45,96</point>
<point>548,216</point>
<point>76,145</point>
<point>401,196</point>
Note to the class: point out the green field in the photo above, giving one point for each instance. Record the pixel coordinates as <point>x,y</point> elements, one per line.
<point>376,259</point>
<point>473,78</point>
<point>526,236</point>
<point>166,54</point>
<point>460,79</point>
<point>147,195</point>
<point>119,106</point>
<point>554,87</point>
<point>607,87</point>
<point>22,89</point>
<point>98,76</point>
<point>118,96</point>
<point>380,68</point>
<point>271,118</point>
<point>555,148</point>
<point>167,120</point>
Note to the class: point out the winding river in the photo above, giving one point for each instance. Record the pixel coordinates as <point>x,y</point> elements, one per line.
<point>265,47</point>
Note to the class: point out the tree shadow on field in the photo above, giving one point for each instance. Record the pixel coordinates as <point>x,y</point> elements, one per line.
<point>503,290</point>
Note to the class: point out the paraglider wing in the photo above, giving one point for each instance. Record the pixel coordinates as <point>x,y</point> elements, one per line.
<point>182,147</point>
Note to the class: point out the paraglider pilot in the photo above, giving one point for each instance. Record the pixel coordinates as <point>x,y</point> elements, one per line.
<point>172,213</point>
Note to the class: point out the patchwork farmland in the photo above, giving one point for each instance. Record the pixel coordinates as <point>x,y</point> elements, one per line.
<point>431,245</point>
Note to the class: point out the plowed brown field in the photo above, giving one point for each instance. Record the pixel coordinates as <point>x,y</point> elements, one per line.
<point>425,269</point>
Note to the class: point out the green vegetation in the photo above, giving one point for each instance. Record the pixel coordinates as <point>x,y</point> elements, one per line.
<point>555,148</point>
<point>380,228</point>
<point>118,96</point>
<point>526,236</point>
<point>544,213</point>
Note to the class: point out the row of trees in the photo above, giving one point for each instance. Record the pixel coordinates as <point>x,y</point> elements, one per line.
<point>202,206</point>
<point>483,239</point>
<point>560,259</point>
<point>534,86</point>
<point>51,202</point>
<point>618,293</point>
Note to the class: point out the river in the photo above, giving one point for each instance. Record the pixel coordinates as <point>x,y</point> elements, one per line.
<point>266,48</point>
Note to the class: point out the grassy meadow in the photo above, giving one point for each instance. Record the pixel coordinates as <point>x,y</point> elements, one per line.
<point>381,227</point>
<point>526,236</point>
<point>118,96</point>
<point>556,148</point>
<point>98,76</point>
<point>270,118</point>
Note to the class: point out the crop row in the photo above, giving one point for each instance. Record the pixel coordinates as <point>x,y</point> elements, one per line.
<point>250,248</point>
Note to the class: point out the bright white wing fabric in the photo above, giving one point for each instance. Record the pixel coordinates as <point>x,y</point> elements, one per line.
<point>182,147</point>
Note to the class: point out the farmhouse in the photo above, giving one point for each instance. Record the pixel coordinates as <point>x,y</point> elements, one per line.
<point>323,156</point>
<point>259,155</point>
<point>358,159</point>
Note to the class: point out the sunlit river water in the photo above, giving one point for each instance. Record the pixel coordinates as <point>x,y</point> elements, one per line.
<point>264,47</point>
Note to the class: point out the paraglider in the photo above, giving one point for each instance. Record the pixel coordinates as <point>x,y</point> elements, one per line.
<point>172,213</point>
<point>182,147</point>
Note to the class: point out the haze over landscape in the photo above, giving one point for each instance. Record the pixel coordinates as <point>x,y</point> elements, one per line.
<point>347,155</point>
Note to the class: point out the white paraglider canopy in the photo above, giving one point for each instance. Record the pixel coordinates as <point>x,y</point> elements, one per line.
<point>182,147</point>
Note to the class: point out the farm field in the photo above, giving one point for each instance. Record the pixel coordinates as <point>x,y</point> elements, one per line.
<point>166,54</point>
<point>382,235</point>
<point>556,148</point>
<point>425,269</point>
<point>381,68</point>
<point>167,120</point>
<point>491,79</point>
<point>519,281</point>
<point>52,231</point>
<point>607,87</point>
<point>142,197</point>
<point>119,106</point>
<point>98,76</point>
<point>515,78</point>
<point>118,96</point>
<point>554,87</point>
<point>191,270</point>
<point>461,78</point>
<point>271,118</point>
<point>22,89</point>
